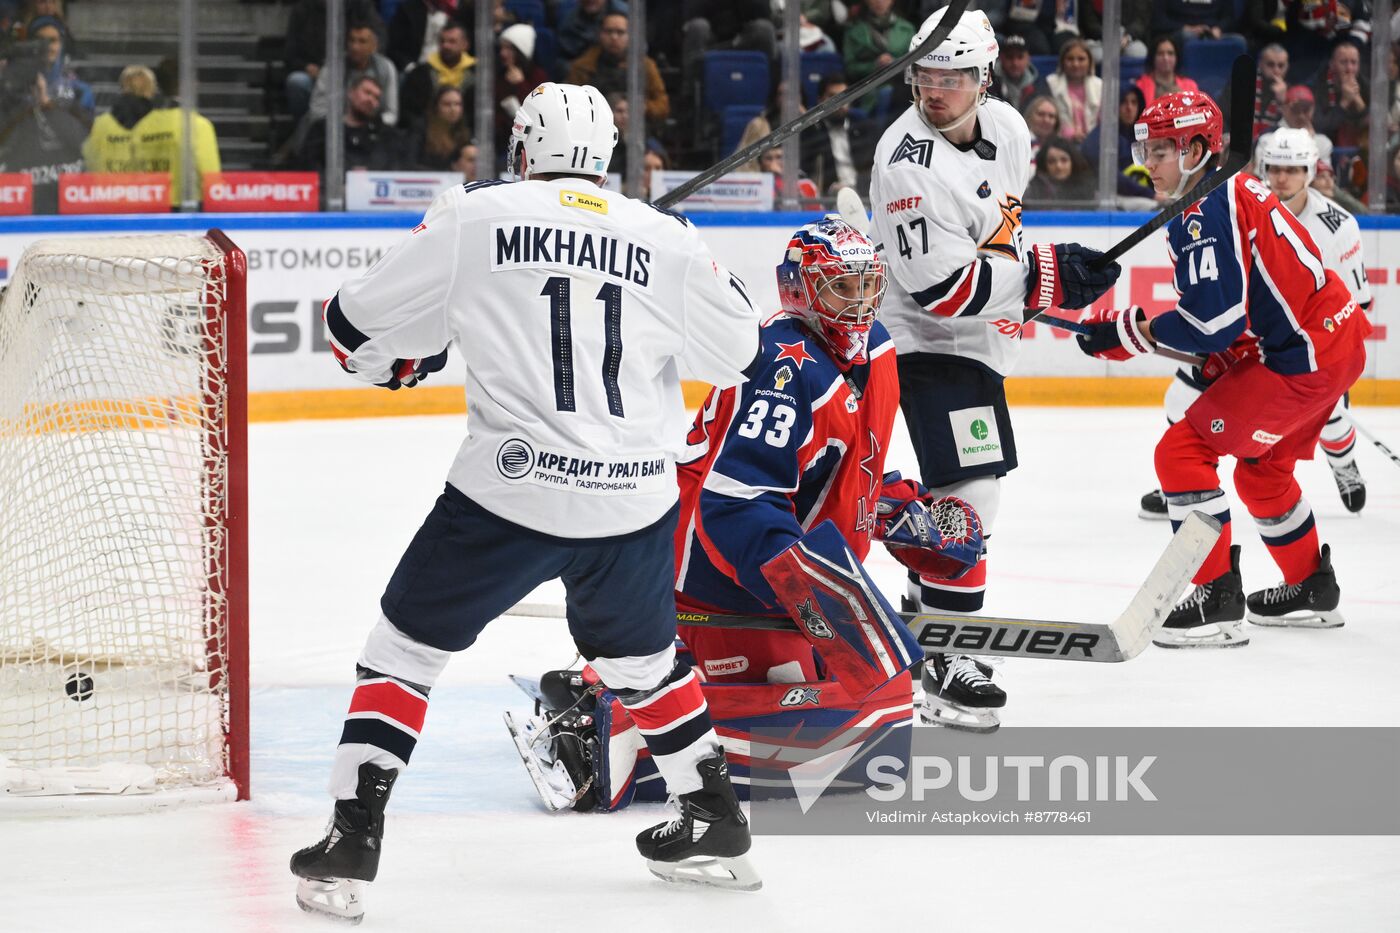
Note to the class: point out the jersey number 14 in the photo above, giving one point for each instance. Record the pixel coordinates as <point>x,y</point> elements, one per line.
<point>557,288</point>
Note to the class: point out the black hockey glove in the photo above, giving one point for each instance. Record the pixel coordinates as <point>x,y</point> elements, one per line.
<point>1058,276</point>
<point>408,373</point>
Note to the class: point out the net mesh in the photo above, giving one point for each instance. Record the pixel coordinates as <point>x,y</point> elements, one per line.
<point>113,470</point>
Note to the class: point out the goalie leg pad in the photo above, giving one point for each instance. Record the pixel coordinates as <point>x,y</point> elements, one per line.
<point>859,635</point>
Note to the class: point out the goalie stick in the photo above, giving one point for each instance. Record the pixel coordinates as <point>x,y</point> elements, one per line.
<point>1120,640</point>
<point>821,111</point>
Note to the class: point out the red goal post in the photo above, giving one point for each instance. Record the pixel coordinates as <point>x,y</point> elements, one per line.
<point>123,523</point>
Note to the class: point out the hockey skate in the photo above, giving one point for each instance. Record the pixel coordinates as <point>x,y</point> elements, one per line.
<point>959,694</point>
<point>1349,484</point>
<point>332,874</point>
<point>1153,506</point>
<point>705,841</point>
<point>559,743</point>
<point>1310,604</point>
<point>1210,616</point>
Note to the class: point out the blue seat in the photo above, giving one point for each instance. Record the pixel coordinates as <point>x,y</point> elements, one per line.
<point>734,79</point>
<point>731,126</point>
<point>1208,62</point>
<point>815,66</point>
<point>1045,64</point>
<point>562,9</point>
<point>528,11</point>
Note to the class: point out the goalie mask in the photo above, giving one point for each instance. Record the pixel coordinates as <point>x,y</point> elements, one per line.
<point>562,128</point>
<point>1179,118</point>
<point>832,280</point>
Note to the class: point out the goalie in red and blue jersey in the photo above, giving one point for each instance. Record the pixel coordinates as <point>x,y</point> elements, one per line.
<point>803,442</point>
<point>1283,340</point>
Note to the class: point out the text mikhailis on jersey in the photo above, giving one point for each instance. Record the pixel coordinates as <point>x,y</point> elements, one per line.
<point>530,245</point>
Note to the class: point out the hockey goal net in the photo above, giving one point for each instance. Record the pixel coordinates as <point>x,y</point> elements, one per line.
<point>123,548</point>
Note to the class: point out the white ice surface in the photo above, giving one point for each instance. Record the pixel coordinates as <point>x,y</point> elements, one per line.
<point>468,848</point>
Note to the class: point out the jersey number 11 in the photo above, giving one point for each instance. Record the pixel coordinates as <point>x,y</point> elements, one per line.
<point>556,287</point>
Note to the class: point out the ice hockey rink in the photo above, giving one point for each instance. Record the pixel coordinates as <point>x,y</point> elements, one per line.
<point>468,847</point>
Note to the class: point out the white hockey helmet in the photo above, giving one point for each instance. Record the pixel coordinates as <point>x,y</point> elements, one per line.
<point>1289,146</point>
<point>971,44</point>
<point>564,128</point>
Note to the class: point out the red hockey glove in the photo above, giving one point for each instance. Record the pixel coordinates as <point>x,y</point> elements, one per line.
<point>408,373</point>
<point>1115,335</point>
<point>1216,364</point>
<point>1058,276</point>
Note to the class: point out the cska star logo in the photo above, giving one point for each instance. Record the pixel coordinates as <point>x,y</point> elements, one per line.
<point>782,378</point>
<point>796,352</point>
<point>918,151</point>
<point>1193,211</point>
<point>1006,238</point>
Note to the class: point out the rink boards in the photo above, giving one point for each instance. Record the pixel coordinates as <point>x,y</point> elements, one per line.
<point>296,261</point>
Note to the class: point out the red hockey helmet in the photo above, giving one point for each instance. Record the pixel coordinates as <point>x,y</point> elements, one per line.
<point>832,280</point>
<point>1180,117</point>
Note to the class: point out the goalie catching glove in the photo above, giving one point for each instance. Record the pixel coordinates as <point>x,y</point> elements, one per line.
<point>1059,276</point>
<point>1115,335</point>
<point>935,538</point>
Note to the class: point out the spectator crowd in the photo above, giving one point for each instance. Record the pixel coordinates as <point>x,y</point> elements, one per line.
<point>411,71</point>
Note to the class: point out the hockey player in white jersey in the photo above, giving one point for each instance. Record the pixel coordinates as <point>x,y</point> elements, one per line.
<point>1288,163</point>
<point>946,193</point>
<point>578,312</point>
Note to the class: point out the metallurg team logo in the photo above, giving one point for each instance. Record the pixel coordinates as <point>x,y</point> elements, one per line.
<point>1332,218</point>
<point>918,151</point>
<point>515,458</point>
<point>1006,238</point>
<point>812,620</point>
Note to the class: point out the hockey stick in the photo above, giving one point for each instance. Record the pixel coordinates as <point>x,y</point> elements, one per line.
<point>1120,640</point>
<point>1394,458</point>
<point>1242,80</point>
<point>953,12</point>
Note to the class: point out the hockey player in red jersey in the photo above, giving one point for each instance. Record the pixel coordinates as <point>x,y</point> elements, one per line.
<point>1282,337</point>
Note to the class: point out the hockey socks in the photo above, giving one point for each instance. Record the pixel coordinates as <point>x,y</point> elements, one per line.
<point>1292,541</point>
<point>1213,503</point>
<point>964,594</point>
<point>381,728</point>
<point>675,722</point>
